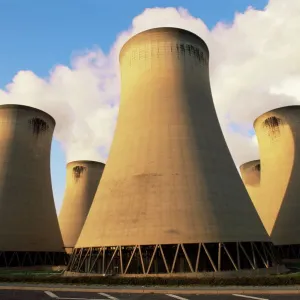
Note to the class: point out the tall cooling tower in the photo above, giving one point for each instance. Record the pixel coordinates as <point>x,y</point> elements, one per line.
<point>83,177</point>
<point>250,172</point>
<point>170,199</point>
<point>29,230</point>
<point>278,133</point>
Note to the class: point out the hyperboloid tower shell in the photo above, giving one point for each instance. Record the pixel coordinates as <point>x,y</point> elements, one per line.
<point>29,230</point>
<point>170,198</point>
<point>250,172</point>
<point>83,177</point>
<point>278,133</point>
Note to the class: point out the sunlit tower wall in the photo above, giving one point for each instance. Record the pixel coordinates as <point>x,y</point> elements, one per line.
<point>278,134</point>
<point>83,178</point>
<point>29,230</point>
<point>250,172</point>
<point>170,198</point>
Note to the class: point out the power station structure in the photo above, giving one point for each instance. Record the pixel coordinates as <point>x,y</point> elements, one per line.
<point>278,134</point>
<point>29,230</point>
<point>170,198</point>
<point>83,178</point>
<point>250,172</point>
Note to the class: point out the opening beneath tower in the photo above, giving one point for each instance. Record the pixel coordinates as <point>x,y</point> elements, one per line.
<point>272,124</point>
<point>10,259</point>
<point>38,126</point>
<point>288,251</point>
<point>173,258</point>
<point>78,171</point>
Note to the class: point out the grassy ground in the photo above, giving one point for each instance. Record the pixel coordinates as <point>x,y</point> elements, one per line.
<point>46,278</point>
<point>56,277</point>
<point>28,273</point>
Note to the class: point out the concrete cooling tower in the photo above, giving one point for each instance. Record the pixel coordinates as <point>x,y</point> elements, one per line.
<point>250,172</point>
<point>29,230</point>
<point>278,133</point>
<point>170,198</point>
<point>83,177</point>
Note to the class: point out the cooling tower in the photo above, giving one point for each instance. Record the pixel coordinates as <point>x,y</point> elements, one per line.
<point>83,177</point>
<point>278,133</point>
<point>250,172</point>
<point>29,230</point>
<point>170,198</point>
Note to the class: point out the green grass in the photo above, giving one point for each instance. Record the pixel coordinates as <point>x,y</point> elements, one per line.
<point>27,273</point>
<point>275,280</point>
<point>55,277</point>
<point>296,274</point>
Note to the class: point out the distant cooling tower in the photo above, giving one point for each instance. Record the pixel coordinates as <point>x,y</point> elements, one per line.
<point>278,133</point>
<point>170,198</point>
<point>250,172</point>
<point>83,177</point>
<point>29,230</point>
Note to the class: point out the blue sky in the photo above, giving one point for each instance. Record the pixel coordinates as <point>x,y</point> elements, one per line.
<point>36,35</point>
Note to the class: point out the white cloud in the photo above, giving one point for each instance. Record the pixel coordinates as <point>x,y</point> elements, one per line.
<point>254,67</point>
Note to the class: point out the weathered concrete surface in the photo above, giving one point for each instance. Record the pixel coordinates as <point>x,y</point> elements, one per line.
<point>278,134</point>
<point>169,177</point>
<point>250,172</point>
<point>28,220</point>
<point>83,178</point>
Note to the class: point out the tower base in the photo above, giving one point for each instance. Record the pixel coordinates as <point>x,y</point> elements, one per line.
<point>29,259</point>
<point>177,258</point>
<point>288,251</point>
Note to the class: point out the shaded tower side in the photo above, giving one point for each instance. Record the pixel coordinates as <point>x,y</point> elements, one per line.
<point>28,221</point>
<point>83,177</point>
<point>250,172</point>
<point>278,133</point>
<point>170,179</point>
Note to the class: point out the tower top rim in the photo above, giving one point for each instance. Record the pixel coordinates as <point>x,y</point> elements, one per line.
<point>28,108</point>
<point>168,29</point>
<point>287,107</point>
<point>85,162</point>
<point>249,163</point>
